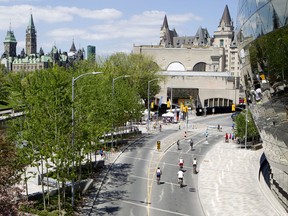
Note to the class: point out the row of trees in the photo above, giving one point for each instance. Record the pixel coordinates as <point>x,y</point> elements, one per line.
<point>44,133</point>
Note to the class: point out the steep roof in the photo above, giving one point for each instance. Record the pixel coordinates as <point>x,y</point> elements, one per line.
<point>73,48</point>
<point>165,23</point>
<point>226,18</point>
<point>202,36</point>
<point>31,23</point>
<point>10,37</point>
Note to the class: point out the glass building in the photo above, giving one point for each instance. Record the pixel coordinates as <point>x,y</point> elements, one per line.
<point>262,36</point>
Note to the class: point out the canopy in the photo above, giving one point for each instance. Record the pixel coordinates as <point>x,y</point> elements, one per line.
<point>168,114</point>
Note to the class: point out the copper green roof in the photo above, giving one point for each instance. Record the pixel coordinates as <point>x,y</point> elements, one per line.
<point>31,23</point>
<point>10,38</point>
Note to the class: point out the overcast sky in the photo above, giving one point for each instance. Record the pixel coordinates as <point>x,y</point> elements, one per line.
<point>110,25</point>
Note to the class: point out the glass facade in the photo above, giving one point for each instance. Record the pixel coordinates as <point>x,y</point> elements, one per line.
<point>257,18</point>
<point>262,35</point>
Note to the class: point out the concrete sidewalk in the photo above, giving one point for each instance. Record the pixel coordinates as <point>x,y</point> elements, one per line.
<point>228,183</point>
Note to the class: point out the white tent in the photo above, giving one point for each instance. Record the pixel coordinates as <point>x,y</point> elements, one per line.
<point>169,114</point>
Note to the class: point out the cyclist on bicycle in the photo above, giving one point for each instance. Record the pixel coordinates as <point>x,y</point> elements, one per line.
<point>181,163</point>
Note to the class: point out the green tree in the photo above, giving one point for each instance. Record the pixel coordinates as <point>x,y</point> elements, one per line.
<point>47,125</point>
<point>240,122</point>
<point>45,97</point>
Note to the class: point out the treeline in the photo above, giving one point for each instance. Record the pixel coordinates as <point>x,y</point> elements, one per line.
<point>44,134</point>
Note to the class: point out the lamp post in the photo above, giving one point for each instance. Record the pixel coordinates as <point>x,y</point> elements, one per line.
<point>73,124</point>
<point>148,103</point>
<point>246,126</point>
<point>113,81</point>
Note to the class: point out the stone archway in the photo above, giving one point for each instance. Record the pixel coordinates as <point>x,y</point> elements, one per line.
<point>200,66</point>
<point>176,66</point>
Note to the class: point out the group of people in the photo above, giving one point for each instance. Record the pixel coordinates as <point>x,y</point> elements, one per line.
<point>191,144</point>
<point>180,173</point>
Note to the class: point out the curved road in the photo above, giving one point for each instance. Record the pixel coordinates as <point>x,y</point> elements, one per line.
<point>130,187</point>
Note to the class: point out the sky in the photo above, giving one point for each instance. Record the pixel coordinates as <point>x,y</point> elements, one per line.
<point>109,25</point>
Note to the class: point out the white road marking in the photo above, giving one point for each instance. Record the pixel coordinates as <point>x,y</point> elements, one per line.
<point>131,212</point>
<point>157,209</point>
<point>161,195</point>
<point>163,163</point>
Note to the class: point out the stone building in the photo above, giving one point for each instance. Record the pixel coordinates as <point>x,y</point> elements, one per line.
<point>205,68</point>
<point>31,59</point>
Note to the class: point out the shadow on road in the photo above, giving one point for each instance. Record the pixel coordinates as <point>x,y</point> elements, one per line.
<point>118,177</point>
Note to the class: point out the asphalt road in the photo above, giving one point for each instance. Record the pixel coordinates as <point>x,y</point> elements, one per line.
<point>131,189</point>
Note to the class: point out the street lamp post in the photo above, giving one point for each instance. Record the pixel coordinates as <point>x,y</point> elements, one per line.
<point>148,103</point>
<point>246,126</point>
<point>73,124</point>
<point>113,81</point>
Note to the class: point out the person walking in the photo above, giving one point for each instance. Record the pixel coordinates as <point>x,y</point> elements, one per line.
<point>206,134</point>
<point>191,144</point>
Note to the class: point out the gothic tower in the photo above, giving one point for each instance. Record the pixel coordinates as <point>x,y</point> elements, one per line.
<point>224,37</point>
<point>167,35</point>
<point>10,44</point>
<point>31,39</point>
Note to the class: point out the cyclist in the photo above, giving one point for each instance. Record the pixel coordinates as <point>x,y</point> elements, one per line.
<point>180,175</point>
<point>195,165</point>
<point>181,163</point>
<point>178,144</point>
<point>158,174</point>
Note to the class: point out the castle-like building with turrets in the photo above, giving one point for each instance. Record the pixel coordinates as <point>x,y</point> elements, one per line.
<point>196,53</point>
<point>200,67</point>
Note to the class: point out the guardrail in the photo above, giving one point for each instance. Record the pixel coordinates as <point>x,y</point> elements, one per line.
<point>9,113</point>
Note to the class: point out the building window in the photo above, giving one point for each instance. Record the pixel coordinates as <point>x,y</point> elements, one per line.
<point>210,102</point>
<point>220,101</point>
<point>221,43</point>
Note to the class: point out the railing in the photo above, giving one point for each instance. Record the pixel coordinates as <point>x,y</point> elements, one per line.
<point>9,113</point>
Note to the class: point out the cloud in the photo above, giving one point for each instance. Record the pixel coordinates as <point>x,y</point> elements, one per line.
<point>141,28</point>
<point>61,24</point>
<point>17,14</point>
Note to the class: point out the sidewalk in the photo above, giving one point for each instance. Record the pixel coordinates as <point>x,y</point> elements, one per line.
<point>228,183</point>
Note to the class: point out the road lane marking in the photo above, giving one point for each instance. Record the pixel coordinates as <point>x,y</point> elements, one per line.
<point>161,195</point>
<point>157,209</point>
<point>144,178</point>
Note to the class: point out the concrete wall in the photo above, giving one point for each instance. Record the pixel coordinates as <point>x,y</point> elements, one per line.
<point>188,57</point>
<point>209,85</point>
